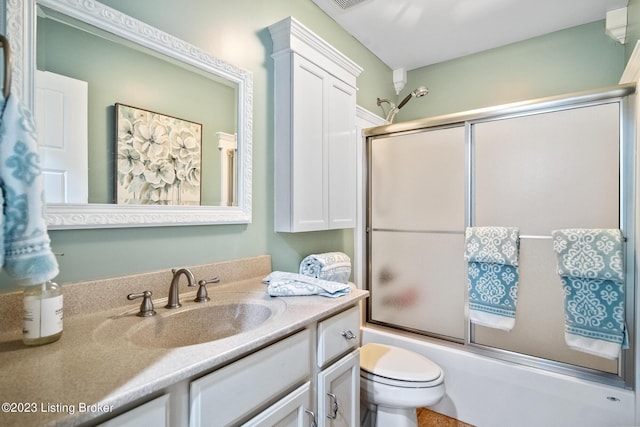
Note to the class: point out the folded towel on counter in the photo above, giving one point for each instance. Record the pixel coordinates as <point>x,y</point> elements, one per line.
<point>332,266</point>
<point>27,251</point>
<point>284,284</point>
<point>590,265</point>
<point>492,275</point>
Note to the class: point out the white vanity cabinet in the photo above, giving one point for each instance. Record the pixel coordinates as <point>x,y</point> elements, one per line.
<point>339,381</point>
<point>315,143</point>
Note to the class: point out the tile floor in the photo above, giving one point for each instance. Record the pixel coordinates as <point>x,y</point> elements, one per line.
<point>427,418</point>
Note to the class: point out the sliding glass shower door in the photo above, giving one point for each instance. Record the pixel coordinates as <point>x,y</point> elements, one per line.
<point>417,225</point>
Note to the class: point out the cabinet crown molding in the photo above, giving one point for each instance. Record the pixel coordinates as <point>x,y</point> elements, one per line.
<point>289,35</point>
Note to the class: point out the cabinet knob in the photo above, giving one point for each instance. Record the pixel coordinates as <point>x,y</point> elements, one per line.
<point>348,335</point>
<point>313,418</point>
<point>334,406</point>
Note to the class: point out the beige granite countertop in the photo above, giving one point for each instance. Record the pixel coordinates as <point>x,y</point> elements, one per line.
<point>94,368</point>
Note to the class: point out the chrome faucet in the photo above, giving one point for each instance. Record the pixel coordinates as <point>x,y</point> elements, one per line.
<point>174,298</point>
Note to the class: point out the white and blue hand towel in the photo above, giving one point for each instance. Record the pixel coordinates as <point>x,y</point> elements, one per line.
<point>284,284</point>
<point>492,275</point>
<point>27,254</point>
<point>332,266</point>
<point>590,265</point>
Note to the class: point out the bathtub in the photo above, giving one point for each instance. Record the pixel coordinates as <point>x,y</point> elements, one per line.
<point>487,392</point>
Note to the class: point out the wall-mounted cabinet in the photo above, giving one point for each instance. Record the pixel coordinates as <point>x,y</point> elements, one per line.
<point>315,142</point>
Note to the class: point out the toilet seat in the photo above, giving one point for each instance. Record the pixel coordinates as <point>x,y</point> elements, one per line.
<point>401,383</point>
<point>398,367</point>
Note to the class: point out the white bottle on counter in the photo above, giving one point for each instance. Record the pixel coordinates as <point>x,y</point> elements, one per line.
<point>42,318</point>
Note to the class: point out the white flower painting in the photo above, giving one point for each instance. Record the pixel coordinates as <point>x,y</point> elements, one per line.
<point>158,158</point>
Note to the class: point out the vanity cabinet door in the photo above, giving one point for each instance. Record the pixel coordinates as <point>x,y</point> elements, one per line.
<point>153,413</point>
<point>338,335</point>
<point>290,411</point>
<point>339,393</point>
<point>230,394</point>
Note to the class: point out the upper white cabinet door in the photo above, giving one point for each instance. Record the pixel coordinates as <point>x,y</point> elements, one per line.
<point>309,147</point>
<point>341,139</point>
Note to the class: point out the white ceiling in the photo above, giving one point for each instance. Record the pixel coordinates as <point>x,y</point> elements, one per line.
<point>414,33</point>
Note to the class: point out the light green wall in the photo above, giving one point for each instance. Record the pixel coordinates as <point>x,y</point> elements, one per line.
<point>576,59</point>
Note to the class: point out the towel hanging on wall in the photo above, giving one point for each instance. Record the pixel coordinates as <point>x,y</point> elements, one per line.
<point>27,254</point>
<point>590,265</point>
<point>492,275</point>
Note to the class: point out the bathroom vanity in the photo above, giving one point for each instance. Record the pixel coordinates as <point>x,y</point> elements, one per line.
<point>293,361</point>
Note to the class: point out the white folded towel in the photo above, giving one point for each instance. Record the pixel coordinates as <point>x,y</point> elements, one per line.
<point>332,266</point>
<point>284,284</point>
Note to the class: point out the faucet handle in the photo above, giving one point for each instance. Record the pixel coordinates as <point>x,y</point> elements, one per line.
<point>146,307</point>
<point>202,295</point>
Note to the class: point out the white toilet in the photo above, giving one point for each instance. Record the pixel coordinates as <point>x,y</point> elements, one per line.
<point>397,381</point>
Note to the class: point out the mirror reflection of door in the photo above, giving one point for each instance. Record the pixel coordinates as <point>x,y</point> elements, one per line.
<point>228,146</point>
<point>61,109</point>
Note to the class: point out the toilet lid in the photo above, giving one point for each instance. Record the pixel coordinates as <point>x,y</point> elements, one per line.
<point>397,363</point>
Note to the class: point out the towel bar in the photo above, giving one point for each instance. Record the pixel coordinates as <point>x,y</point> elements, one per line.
<point>6,88</point>
<point>548,237</point>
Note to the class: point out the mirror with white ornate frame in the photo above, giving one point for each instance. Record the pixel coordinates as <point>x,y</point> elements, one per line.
<point>21,31</point>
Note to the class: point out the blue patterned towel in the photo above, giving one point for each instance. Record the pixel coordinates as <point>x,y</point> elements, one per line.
<point>283,284</point>
<point>589,253</point>
<point>492,275</point>
<point>27,253</point>
<point>590,265</point>
<point>497,245</point>
<point>332,266</point>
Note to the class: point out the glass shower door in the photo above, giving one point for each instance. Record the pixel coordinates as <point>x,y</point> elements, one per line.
<point>416,232</point>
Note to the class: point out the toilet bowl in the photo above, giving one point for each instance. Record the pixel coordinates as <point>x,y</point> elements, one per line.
<point>395,382</point>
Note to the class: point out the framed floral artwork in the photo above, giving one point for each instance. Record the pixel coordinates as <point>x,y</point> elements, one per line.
<point>158,158</point>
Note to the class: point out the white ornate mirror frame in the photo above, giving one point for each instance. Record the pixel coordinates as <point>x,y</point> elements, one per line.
<point>21,30</point>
